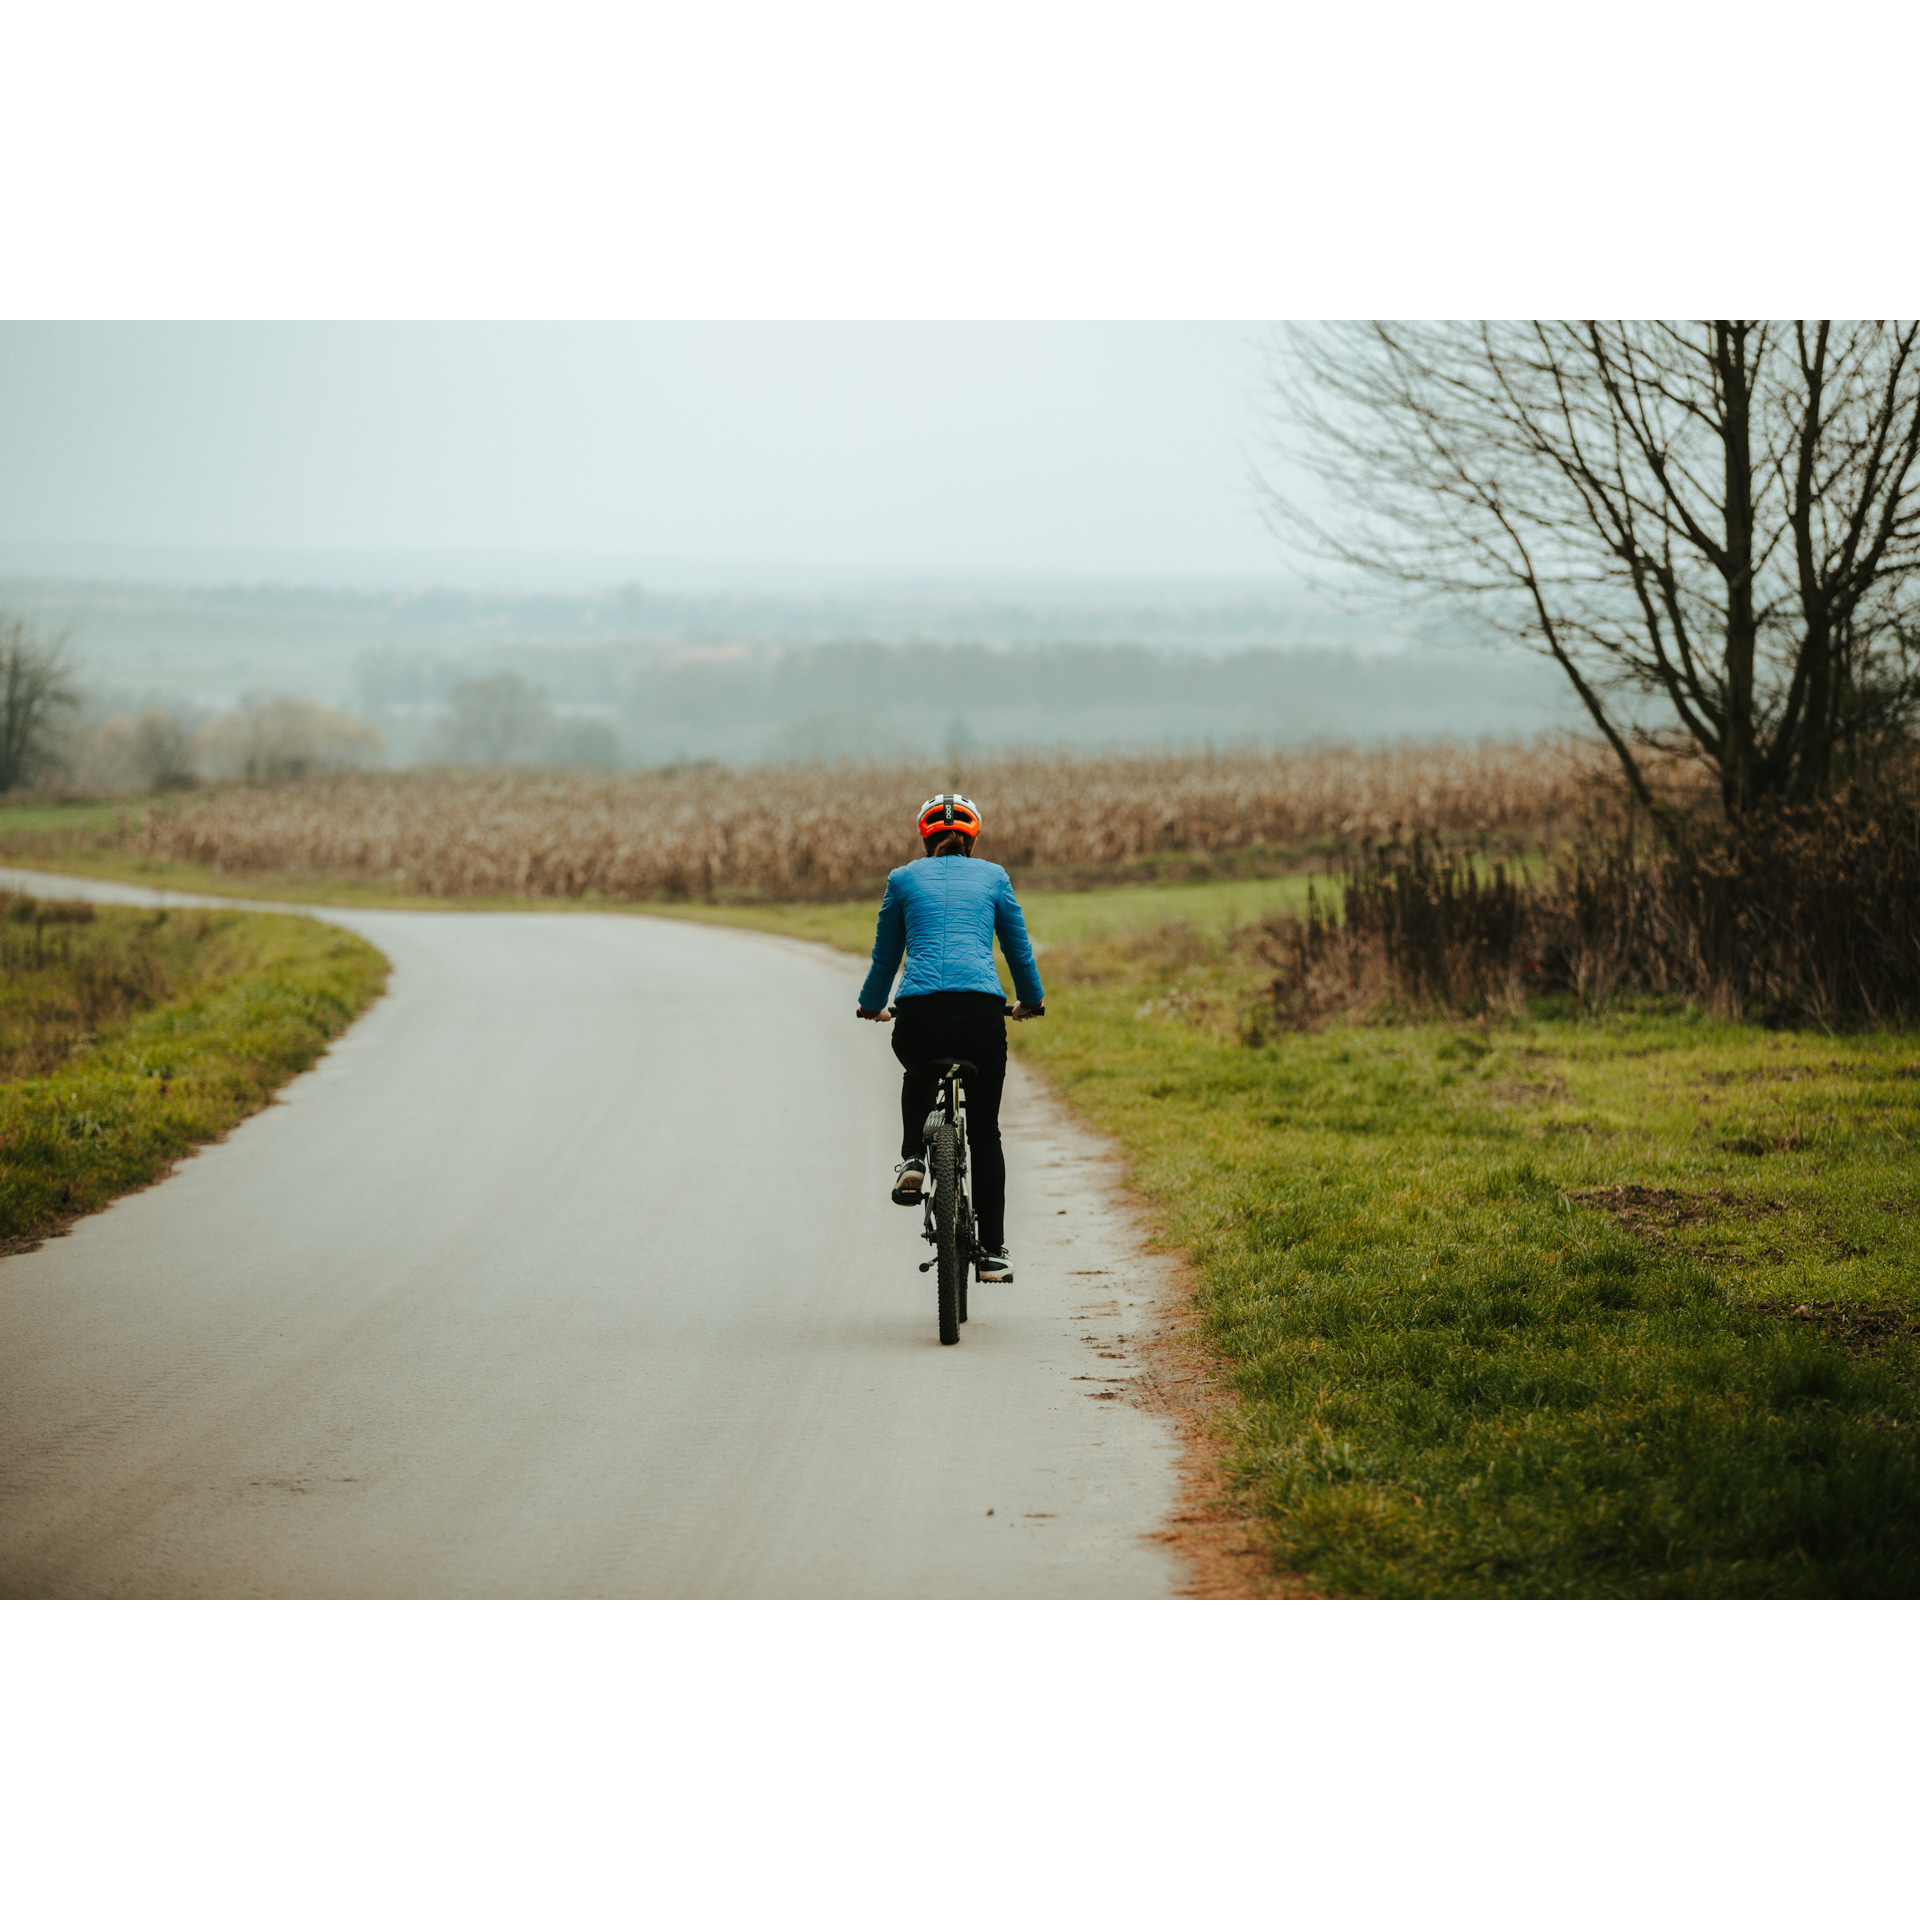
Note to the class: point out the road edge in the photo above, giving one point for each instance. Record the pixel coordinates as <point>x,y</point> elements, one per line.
<point>1181,1380</point>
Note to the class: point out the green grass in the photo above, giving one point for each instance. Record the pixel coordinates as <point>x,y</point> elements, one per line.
<point>1207,906</point>
<point>1467,1364</point>
<point>128,1037</point>
<point>22,819</point>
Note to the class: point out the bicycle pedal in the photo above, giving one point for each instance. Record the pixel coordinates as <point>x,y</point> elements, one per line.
<point>994,1279</point>
<point>926,1266</point>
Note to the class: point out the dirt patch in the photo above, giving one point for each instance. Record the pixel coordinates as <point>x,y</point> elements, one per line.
<point>1653,1212</point>
<point>13,1243</point>
<point>1861,1329</point>
<point>1755,1145</point>
<point>1749,1076</point>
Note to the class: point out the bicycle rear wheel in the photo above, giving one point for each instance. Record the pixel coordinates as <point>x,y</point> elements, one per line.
<point>943,1166</point>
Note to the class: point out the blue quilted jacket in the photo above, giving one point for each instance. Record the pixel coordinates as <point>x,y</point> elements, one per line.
<point>942,914</point>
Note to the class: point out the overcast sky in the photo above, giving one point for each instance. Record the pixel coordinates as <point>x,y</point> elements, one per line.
<point>1102,448</point>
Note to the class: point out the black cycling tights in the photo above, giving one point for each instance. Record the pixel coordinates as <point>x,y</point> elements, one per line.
<point>958,1026</point>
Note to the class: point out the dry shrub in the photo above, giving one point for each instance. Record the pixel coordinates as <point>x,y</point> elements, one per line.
<point>1808,913</point>
<point>1359,963</point>
<point>826,832</point>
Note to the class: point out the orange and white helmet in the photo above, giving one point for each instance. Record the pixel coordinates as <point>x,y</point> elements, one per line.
<point>949,813</point>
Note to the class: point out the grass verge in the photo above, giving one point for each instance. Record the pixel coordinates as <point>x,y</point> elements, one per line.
<point>128,1037</point>
<point>1207,907</point>
<point>1552,1307</point>
<point>187,876</point>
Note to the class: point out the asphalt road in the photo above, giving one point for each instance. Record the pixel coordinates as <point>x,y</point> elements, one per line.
<point>570,1271</point>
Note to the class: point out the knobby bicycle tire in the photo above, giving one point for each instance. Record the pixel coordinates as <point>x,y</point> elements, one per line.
<point>963,1238</point>
<point>963,1231</point>
<point>943,1165</point>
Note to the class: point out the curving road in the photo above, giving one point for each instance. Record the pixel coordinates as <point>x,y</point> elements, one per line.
<point>570,1271</point>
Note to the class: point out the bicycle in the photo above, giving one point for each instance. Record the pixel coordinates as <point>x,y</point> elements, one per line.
<point>947,1221</point>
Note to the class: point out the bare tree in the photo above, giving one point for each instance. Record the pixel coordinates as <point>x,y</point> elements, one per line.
<point>501,721</point>
<point>1713,528</point>
<point>36,690</point>
<point>162,752</point>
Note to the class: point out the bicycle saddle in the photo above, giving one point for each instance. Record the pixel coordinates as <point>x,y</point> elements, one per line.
<point>939,1067</point>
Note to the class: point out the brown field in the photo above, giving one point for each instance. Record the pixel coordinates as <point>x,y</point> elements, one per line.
<point>819,833</point>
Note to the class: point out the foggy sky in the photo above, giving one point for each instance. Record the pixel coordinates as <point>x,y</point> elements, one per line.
<point>1102,448</point>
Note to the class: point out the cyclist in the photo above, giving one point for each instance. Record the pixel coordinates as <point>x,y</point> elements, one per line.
<point>942,913</point>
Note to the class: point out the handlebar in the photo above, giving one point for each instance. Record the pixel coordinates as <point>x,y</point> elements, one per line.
<point>1012,1012</point>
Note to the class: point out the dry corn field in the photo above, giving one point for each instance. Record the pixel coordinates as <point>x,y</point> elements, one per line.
<point>820,832</point>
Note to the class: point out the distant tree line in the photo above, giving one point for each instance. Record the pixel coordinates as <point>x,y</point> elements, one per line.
<point>261,740</point>
<point>874,701</point>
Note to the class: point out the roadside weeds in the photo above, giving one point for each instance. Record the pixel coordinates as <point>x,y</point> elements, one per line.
<point>144,1034</point>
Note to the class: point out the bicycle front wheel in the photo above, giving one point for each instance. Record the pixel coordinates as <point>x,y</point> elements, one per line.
<point>943,1164</point>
